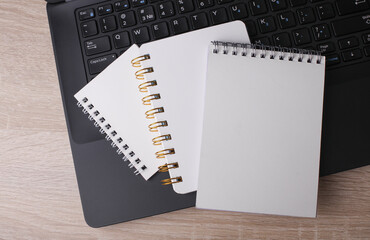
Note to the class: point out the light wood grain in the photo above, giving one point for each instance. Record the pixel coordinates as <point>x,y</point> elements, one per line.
<point>38,190</point>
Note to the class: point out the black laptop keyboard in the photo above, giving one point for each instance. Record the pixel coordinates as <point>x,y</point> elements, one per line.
<point>339,28</point>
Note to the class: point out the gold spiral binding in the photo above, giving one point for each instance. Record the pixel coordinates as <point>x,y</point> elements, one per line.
<point>140,74</point>
<point>150,113</point>
<point>163,153</point>
<point>160,139</point>
<point>144,86</point>
<point>153,127</point>
<point>136,62</point>
<point>147,99</point>
<point>169,181</point>
<point>166,167</point>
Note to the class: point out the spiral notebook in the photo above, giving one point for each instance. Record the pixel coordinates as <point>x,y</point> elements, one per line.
<point>262,130</point>
<point>149,102</point>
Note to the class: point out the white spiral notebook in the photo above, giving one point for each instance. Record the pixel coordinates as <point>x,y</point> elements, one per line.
<point>262,130</point>
<point>150,103</point>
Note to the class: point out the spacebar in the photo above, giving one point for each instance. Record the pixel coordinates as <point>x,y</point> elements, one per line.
<point>351,25</point>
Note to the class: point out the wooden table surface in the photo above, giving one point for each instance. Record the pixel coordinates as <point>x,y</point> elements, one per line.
<point>39,198</point>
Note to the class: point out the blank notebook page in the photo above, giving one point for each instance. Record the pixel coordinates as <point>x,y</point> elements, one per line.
<point>261,135</point>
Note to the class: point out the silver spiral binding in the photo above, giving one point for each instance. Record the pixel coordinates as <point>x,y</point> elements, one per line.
<point>111,135</point>
<point>265,51</point>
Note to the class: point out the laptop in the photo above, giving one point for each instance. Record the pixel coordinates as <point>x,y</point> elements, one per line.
<point>110,192</point>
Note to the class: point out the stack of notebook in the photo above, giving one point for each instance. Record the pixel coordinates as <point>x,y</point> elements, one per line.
<point>238,123</point>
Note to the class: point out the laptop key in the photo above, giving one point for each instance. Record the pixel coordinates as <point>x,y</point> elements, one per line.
<point>97,65</point>
<point>262,40</point>
<point>127,19</point>
<point>199,20</point>
<point>295,3</point>
<point>301,36</point>
<point>97,45</point>
<point>326,48</point>
<point>286,20</point>
<point>239,11</point>
<point>258,7</point>
<point>138,3</point>
<point>121,5</point>
<point>352,24</point>
<point>141,35</point>
<point>251,27</point>
<point>351,55</point>
<point>282,40</point>
<point>366,38</point>
<point>121,40</point>
<point>205,3</point>
<point>106,9</point>
<point>89,28</point>
<point>166,9</point>
<point>351,6</point>
<point>160,30</point>
<point>108,24</point>
<point>306,15</point>
<point>267,24</point>
<point>180,25</point>
<point>332,59</point>
<point>146,14</point>
<point>348,43</point>
<point>367,51</point>
<point>185,6</point>
<point>86,14</point>
<point>224,1</point>
<point>321,32</point>
<point>277,5</point>
<point>218,16</point>
<point>325,11</point>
